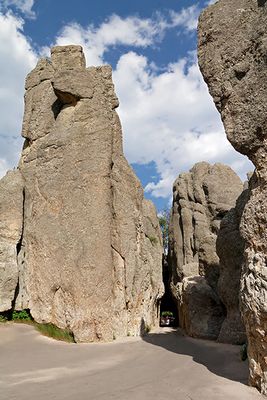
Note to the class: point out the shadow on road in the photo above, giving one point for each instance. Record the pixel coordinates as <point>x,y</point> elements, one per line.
<point>221,359</point>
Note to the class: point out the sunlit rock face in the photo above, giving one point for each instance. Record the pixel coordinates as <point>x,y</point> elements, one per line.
<point>206,288</point>
<point>11,221</point>
<point>91,249</point>
<point>232,58</point>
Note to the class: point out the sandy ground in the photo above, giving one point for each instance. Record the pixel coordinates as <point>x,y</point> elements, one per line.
<point>162,366</point>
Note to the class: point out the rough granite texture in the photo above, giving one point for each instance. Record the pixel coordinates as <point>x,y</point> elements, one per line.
<point>201,198</point>
<point>232,58</point>
<point>11,216</point>
<point>91,250</point>
<point>230,248</point>
<point>200,309</point>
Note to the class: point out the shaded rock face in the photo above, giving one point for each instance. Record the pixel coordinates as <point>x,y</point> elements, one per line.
<point>230,248</point>
<point>90,257</point>
<point>201,199</point>
<point>232,58</point>
<point>11,216</point>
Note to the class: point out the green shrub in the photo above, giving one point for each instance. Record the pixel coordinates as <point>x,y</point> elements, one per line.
<point>22,315</point>
<point>55,332</point>
<point>164,222</point>
<point>167,314</point>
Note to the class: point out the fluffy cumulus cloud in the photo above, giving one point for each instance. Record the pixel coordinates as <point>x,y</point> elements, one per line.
<point>170,118</point>
<point>18,59</point>
<point>24,6</point>
<point>167,115</point>
<point>130,31</point>
<point>115,31</point>
<point>186,18</point>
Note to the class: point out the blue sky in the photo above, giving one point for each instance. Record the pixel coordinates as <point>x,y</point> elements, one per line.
<point>168,118</point>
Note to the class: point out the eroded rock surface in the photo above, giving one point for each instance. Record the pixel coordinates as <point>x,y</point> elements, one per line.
<point>232,58</point>
<point>230,248</point>
<point>200,309</point>
<point>91,250</point>
<point>201,199</point>
<point>11,216</point>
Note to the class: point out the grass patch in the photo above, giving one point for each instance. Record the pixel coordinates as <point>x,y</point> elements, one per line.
<point>3,318</point>
<point>50,330</point>
<point>54,332</point>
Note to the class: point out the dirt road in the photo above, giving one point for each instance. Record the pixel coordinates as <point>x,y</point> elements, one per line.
<point>163,366</point>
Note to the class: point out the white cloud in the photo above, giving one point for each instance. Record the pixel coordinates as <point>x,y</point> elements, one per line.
<point>130,31</point>
<point>186,18</point>
<point>168,116</point>
<point>170,119</point>
<point>3,167</point>
<point>115,31</point>
<point>210,2</point>
<point>25,6</point>
<point>17,60</point>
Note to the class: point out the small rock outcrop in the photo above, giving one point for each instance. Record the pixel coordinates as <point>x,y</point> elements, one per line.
<point>91,249</point>
<point>201,199</point>
<point>232,58</point>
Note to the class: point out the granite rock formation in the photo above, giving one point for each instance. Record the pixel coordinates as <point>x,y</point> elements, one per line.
<point>11,211</point>
<point>232,58</point>
<point>201,199</point>
<point>230,248</point>
<point>90,253</point>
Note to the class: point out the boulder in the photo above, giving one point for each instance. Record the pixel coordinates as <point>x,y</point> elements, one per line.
<point>200,309</point>
<point>232,57</point>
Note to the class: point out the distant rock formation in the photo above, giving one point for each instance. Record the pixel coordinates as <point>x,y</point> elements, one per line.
<point>232,58</point>
<point>90,254</point>
<point>201,200</point>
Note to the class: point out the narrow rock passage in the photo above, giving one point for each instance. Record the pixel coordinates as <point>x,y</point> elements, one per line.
<point>163,365</point>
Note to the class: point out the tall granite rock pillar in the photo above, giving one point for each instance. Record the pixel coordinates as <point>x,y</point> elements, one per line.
<point>90,256</point>
<point>201,284</point>
<point>232,58</point>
